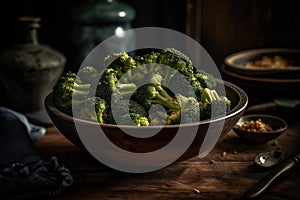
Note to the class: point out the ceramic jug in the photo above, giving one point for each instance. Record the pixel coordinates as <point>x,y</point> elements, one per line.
<point>29,70</point>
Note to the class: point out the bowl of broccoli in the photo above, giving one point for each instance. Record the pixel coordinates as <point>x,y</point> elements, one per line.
<point>131,99</point>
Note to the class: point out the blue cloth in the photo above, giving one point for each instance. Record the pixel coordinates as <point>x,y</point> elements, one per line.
<point>35,132</point>
<point>24,173</point>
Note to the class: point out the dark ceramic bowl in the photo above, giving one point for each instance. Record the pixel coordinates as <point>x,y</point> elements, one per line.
<point>263,84</point>
<point>290,68</point>
<point>278,125</point>
<point>65,123</point>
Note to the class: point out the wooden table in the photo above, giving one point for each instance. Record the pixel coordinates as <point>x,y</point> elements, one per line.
<point>220,175</point>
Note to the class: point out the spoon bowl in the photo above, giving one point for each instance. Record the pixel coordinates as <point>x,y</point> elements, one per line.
<point>270,158</point>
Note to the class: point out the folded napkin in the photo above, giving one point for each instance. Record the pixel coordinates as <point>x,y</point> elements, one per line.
<point>24,173</point>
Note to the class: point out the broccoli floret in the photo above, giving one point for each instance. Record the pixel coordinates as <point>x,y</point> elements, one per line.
<point>122,63</point>
<point>182,64</point>
<point>187,112</point>
<point>177,60</point>
<point>154,93</point>
<point>205,79</point>
<point>186,85</point>
<point>91,109</point>
<point>151,57</point>
<point>158,115</point>
<point>135,118</point>
<point>109,83</point>
<point>197,87</point>
<point>135,107</point>
<point>123,109</point>
<point>150,60</point>
<point>69,87</point>
<point>147,58</point>
<point>212,105</point>
<point>87,74</point>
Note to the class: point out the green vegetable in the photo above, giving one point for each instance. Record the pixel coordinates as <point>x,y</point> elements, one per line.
<point>109,83</point>
<point>206,80</point>
<point>92,109</point>
<point>88,74</point>
<point>212,105</point>
<point>187,112</point>
<point>124,111</point>
<point>136,118</point>
<point>154,93</point>
<point>171,91</point>
<point>198,79</point>
<point>122,64</point>
<point>177,60</point>
<point>69,86</point>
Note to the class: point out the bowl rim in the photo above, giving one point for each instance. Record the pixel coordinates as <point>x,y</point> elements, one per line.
<point>240,107</point>
<point>257,116</point>
<point>229,61</point>
<point>258,79</point>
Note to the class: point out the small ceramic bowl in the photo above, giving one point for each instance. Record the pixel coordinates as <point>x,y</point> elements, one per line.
<point>277,124</point>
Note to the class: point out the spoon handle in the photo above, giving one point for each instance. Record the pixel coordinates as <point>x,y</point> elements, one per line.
<point>286,167</point>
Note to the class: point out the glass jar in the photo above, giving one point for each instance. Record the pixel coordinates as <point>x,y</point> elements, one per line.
<point>97,20</point>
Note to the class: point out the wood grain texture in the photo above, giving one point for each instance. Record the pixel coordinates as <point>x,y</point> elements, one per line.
<point>229,177</point>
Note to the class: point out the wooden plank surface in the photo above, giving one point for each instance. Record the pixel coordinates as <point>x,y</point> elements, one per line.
<point>229,177</point>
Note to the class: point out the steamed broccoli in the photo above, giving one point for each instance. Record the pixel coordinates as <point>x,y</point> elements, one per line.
<point>87,74</point>
<point>151,57</point>
<point>205,79</point>
<point>109,83</point>
<point>169,80</point>
<point>123,109</point>
<point>187,112</point>
<point>212,105</point>
<point>121,63</point>
<point>148,58</point>
<point>149,61</point>
<point>198,79</point>
<point>133,119</point>
<point>154,93</point>
<point>92,108</point>
<point>177,60</point>
<point>157,115</point>
<point>69,87</point>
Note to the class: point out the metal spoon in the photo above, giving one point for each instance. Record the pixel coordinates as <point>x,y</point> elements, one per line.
<point>288,165</point>
<point>270,159</point>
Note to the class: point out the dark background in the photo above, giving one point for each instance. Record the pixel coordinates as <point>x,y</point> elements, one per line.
<point>221,26</point>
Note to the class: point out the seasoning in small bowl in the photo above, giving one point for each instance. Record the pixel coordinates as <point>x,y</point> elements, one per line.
<point>259,128</point>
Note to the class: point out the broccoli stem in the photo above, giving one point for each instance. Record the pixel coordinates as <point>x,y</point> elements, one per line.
<point>100,118</point>
<point>77,94</point>
<point>209,96</point>
<point>81,87</point>
<point>126,89</point>
<point>163,98</point>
